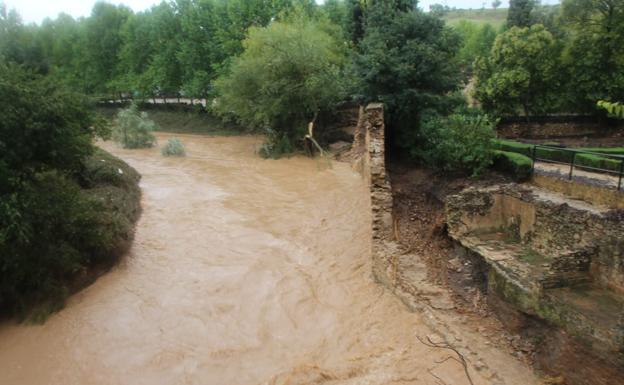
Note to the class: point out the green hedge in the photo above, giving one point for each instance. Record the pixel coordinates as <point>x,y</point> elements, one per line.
<point>604,150</point>
<point>557,155</point>
<point>596,161</point>
<point>512,146</point>
<point>517,165</point>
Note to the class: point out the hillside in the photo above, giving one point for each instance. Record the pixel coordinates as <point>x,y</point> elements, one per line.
<point>496,17</point>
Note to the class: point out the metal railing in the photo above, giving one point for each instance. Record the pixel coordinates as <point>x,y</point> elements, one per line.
<point>573,161</point>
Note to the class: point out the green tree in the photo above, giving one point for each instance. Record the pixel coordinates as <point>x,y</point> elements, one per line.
<point>42,126</point>
<point>354,22</point>
<point>103,43</point>
<point>198,52</point>
<point>164,67</point>
<point>407,60</point>
<point>521,72</point>
<point>519,13</point>
<point>477,41</point>
<point>593,56</point>
<point>287,74</point>
<point>439,9</point>
<point>19,43</point>
<point>336,11</point>
<point>136,55</point>
<point>61,41</point>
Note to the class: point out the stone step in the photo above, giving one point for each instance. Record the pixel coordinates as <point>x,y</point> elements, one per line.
<point>529,269</point>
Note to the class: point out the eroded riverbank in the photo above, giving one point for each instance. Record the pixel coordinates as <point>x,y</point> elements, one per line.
<point>243,271</point>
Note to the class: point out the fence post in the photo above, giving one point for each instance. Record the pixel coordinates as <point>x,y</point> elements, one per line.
<point>621,172</point>
<point>533,158</point>
<point>572,164</point>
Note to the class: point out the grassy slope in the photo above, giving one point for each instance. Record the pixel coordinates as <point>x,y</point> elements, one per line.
<point>496,17</point>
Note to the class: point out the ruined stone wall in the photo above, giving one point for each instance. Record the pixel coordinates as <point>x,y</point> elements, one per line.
<point>556,269</point>
<point>594,194</point>
<point>565,229</point>
<point>369,145</point>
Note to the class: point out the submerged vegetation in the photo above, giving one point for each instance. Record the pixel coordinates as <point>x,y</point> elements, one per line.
<point>133,128</point>
<point>173,147</point>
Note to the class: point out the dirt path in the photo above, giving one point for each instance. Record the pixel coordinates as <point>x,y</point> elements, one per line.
<point>578,175</point>
<point>243,271</point>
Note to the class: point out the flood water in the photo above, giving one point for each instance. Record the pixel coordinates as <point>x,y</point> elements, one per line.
<point>243,271</point>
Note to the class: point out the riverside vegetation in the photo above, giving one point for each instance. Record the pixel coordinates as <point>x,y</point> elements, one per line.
<point>66,208</point>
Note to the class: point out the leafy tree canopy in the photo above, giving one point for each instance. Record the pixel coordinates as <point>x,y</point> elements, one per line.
<point>407,60</point>
<point>288,72</point>
<point>521,72</point>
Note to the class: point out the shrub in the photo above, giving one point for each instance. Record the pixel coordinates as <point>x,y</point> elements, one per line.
<point>174,147</point>
<point>133,128</point>
<point>516,165</point>
<point>52,230</point>
<point>460,143</point>
<point>276,145</point>
<point>64,205</point>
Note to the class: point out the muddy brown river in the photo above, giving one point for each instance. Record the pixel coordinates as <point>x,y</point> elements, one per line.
<point>243,271</point>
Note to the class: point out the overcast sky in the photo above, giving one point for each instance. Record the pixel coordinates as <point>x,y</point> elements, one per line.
<point>37,10</point>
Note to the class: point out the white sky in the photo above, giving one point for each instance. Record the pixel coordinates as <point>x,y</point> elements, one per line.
<point>34,11</point>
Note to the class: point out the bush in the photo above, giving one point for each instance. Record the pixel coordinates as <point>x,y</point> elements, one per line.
<point>276,145</point>
<point>53,230</point>
<point>458,143</point>
<point>64,205</point>
<point>133,129</point>
<point>174,147</point>
<point>516,165</point>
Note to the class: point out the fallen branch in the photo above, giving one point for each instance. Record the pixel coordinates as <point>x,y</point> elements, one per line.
<point>461,360</point>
